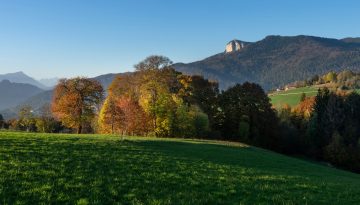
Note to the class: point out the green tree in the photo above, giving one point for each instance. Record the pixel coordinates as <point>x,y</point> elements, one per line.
<point>244,128</point>
<point>46,122</point>
<point>184,125</point>
<point>205,93</point>
<point>249,101</point>
<point>158,81</point>
<point>26,119</point>
<point>315,133</point>
<point>201,122</point>
<point>336,151</point>
<point>302,97</point>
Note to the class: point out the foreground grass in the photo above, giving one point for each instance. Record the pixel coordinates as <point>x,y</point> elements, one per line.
<point>291,97</point>
<point>85,169</point>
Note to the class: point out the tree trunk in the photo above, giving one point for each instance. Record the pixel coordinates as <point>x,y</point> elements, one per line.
<point>79,129</point>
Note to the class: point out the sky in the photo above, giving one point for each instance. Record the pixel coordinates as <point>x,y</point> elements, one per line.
<point>68,38</point>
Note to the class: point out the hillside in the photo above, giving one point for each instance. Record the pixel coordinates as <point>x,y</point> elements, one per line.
<point>14,93</point>
<point>278,60</point>
<point>291,97</point>
<point>87,169</point>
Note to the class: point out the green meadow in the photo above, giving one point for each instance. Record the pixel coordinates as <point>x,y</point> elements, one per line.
<point>291,97</point>
<point>99,169</point>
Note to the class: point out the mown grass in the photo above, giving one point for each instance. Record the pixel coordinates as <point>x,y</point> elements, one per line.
<point>291,97</point>
<point>95,169</point>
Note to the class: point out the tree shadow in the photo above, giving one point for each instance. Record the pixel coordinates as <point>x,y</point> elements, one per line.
<point>106,171</point>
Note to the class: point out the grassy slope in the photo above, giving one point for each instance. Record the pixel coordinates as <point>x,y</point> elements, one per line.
<point>42,168</point>
<point>291,97</point>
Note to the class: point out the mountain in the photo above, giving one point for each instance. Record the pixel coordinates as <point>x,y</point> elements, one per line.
<point>14,93</point>
<point>277,60</point>
<point>40,99</point>
<point>49,82</point>
<point>20,77</point>
<point>235,45</point>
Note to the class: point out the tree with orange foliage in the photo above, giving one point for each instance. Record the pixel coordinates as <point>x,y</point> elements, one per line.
<point>305,107</point>
<point>76,101</point>
<point>135,120</point>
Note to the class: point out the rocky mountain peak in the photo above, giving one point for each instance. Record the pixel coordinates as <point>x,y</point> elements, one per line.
<point>235,45</point>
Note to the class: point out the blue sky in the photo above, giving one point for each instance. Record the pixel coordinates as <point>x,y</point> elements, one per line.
<point>91,37</point>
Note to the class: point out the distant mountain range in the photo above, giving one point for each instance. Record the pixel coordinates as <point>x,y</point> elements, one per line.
<point>20,77</point>
<point>17,95</point>
<point>277,60</point>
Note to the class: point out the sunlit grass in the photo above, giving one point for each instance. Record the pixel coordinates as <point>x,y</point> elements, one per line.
<point>95,169</point>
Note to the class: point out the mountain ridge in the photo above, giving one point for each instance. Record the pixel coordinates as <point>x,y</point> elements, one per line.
<point>277,60</point>
<point>21,77</point>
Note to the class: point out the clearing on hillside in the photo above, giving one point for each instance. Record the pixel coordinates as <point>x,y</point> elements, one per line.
<point>97,169</point>
<point>291,97</point>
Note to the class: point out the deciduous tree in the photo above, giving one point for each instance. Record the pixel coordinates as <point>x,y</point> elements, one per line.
<point>249,101</point>
<point>111,116</point>
<point>76,101</point>
<point>26,119</point>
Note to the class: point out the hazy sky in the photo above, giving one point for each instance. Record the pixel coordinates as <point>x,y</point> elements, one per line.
<point>90,37</point>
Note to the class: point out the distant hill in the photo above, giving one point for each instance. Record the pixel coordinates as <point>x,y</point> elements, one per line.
<point>14,93</point>
<point>278,60</point>
<point>20,77</point>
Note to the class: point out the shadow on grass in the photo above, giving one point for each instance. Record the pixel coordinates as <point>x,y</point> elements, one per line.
<point>105,171</point>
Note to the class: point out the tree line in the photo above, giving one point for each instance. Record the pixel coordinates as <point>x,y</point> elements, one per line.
<point>342,81</point>
<point>324,127</point>
<point>156,100</point>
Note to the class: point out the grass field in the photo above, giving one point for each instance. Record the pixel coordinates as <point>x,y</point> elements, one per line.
<point>291,97</point>
<point>95,169</point>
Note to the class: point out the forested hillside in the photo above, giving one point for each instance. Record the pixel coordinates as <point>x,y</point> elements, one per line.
<point>278,60</point>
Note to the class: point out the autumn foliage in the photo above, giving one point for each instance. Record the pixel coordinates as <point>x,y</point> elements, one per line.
<point>154,100</point>
<point>76,101</point>
<point>305,107</point>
